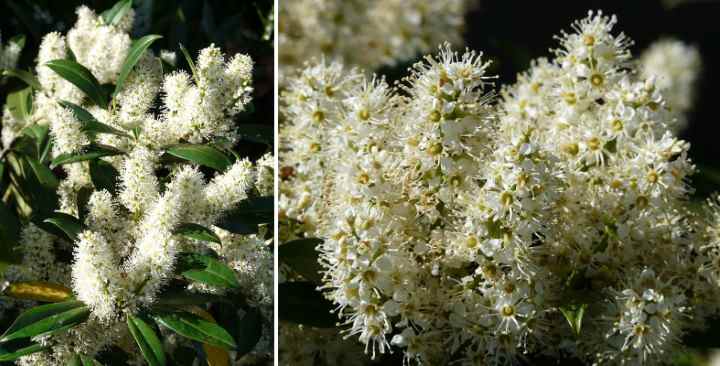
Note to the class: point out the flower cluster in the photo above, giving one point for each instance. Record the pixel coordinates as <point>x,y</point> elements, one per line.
<point>676,67</point>
<point>128,249</point>
<point>462,230</point>
<point>365,33</point>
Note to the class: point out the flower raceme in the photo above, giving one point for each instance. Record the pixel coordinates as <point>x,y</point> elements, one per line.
<point>463,228</point>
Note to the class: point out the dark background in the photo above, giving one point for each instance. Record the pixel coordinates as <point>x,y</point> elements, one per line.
<point>234,26</point>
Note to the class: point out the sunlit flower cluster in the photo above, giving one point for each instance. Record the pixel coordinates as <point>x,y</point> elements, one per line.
<point>128,249</point>
<point>464,229</point>
<point>365,33</point>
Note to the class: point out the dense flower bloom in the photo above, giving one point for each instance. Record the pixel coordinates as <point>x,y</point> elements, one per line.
<point>128,249</point>
<point>461,230</point>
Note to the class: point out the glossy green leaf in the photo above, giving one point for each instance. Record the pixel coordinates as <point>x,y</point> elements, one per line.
<point>70,225</point>
<point>201,154</point>
<point>46,152</point>
<point>196,328</point>
<point>206,269</point>
<point>303,304</point>
<point>197,232</point>
<point>35,185</point>
<point>19,40</point>
<point>245,218</point>
<point>574,315</point>
<point>44,175</point>
<point>46,318</point>
<point>104,175</point>
<point>90,152</point>
<point>137,49</point>
<point>89,123</point>
<point>39,133</point>
<point>19,104</point>
<point>148,342</point>
<point>302,257</point>
<point>7,355</point>
<point>82,360</point>
<point>249,331</point>
<point>81,77</point>
<point>115,14</point>
<point>26,76</point>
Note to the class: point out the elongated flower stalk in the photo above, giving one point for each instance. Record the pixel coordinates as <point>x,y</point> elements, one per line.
<point>461,230</point>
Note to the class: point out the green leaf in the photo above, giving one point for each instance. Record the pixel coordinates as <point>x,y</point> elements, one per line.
<point>147,341</point>
<point>245,218</point>
<point>137,49</point>
<point>303,304</point>
<point>19,40</point>
<point>44,175</point>
<point>574,315</point>
<point>45,319</point>
<point>104,176</point>
<point>19,104</point>
<point>45,153</point>
<point>197,232</point>
<point>89,123</point>
<point>201,154</point>
<point>90,152</point>
<point>194,327</point>
<point>12,355</point>
<point>190,61</point>
<point>70,225</point>
<point>115,14</point>
<point>82,360</point>
<point>38,133</point>
<point>302,257</point>
<point>81,77</point>
<point>35,187</point>
<point>25,76</point>
<point>206,269</point>
<point>249,331</point>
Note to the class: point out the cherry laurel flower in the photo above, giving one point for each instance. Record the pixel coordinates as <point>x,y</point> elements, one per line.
<point>455,226</point>
<point>127,251</point>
